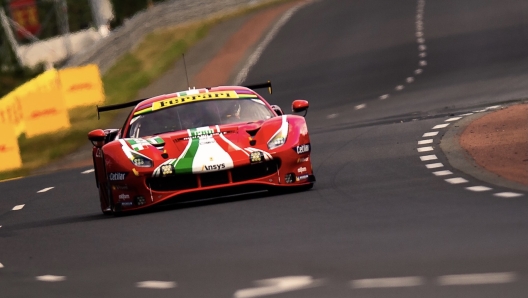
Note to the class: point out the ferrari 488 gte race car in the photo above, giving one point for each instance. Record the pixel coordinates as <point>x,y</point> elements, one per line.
<point>200,143</point>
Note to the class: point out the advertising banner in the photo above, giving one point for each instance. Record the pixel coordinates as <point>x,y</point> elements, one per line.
<point>9,150</point>
<point>25,13</point>
<point>43,106</point>
<point>81,86</point>
<point>11,113</point>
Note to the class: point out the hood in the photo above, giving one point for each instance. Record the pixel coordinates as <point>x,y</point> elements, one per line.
<point>200,150</point>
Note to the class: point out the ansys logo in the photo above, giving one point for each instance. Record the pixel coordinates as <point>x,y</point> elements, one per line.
<point>216,167</point>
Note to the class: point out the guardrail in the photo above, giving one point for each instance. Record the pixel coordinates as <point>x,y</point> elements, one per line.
<point>108,50</point>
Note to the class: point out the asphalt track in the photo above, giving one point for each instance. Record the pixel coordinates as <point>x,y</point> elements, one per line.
<point>378,223</point>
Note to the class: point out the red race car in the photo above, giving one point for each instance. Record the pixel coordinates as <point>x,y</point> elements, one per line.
<point>200,143</point>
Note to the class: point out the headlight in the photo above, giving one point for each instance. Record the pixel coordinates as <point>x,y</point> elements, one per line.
<point>139,160</point>
<point>279,138</point>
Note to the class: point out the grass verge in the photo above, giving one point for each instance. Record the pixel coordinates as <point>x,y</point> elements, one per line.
<point>133,72</point>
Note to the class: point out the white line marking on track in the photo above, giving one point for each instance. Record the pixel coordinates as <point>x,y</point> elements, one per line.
<point>278,285</point>
<point>418,71</point>
<point>45,189</point>
<point>384,96</point>
<point>156,284</point>
<point>422,47</point>
<point>50,278</point>
<point>442,173</point>
<point>88,171</point>
<point>389,282</point>
<point>456,180</point>
<point>428,157</point>
<point>409,80</point>
<point>420,40</point>
<point>434,165</point>
<point>441,126</point>
<point>453,119</point>
<point>359,107</point>
<point>422,55</point>
<point>423,63</point>
<point>467,114</point>
<point>477,279</point>
<point>18,207</point>
<point>430,134</point>
<point>493,107</point>
<point>425,149</point>
<point>478,188</point>
<point>508,194</point>
<point>332,116</point>
<point>399,87</point>
<point>1,265</point>
<point>423,142</point>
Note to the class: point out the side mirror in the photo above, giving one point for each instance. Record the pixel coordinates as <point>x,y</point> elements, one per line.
<point>277,110</point>
<point>300,105</point>
<point>97,137</point>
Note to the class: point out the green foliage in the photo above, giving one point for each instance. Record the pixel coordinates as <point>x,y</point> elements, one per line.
<point>124,9</point>
<point>9,80</point>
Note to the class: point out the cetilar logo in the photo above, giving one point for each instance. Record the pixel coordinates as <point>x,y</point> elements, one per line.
<point>215,167</point>
<point>117,176</point>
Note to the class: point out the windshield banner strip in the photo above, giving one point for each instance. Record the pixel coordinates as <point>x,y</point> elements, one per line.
<point>169,102</point>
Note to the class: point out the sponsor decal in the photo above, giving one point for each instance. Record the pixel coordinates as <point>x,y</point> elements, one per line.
<point>47,112</point>
<point>201,133</point>
<point>301,170</point>
<point>119,176</point>
<point>302,177</point>
<point>99,153</point>
<point>127,204</point>
<point>119,187</point>
<point>215,167</point>
<point>301,149</point>
<point>303,159</point>
<point>79,87</point>
<point>124,197</point>
<point>4,148</point>
<point>183,98</point>
<point>207,141</point>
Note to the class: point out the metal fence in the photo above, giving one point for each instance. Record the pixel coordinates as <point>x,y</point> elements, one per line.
<point>124,38</point>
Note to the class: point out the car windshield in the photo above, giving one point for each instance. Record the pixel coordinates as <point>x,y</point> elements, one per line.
<point>198,114</point>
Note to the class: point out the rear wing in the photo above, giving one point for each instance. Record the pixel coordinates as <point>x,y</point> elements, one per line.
<point>136,102</point>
